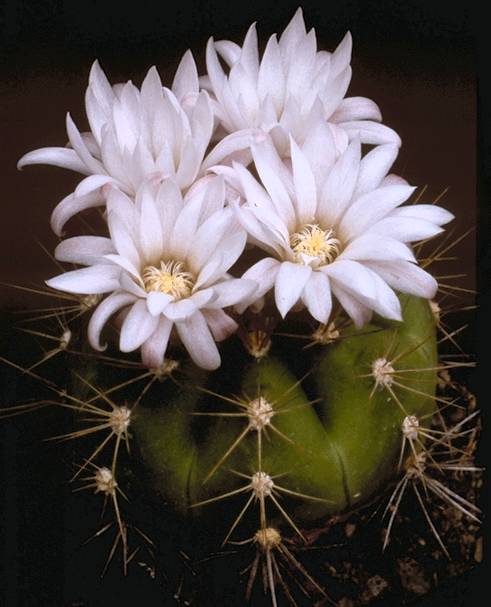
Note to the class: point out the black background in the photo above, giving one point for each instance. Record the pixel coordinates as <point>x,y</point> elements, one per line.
<point>417,59</point>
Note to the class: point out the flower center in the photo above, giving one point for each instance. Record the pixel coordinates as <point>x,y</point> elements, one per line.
<point>314,243</point>
<point>170,278</point>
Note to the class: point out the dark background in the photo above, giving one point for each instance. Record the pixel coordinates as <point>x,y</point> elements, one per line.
<point>416,59</point>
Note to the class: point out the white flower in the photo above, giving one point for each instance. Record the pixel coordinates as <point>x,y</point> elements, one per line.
<point>287,92</point>
<point>134,134</point>
<point>166,263</point>
<point>334,230</point>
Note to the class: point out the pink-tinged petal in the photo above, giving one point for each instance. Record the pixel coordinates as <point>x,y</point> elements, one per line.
<point>189,163</point>
<point>128,284</point>
<point>370,132</point>
<point>292,35</point>
<point>317,297</point>
<point>137,327</point>
<point>263,273</point>
<point>64,158</point>
<point>338,188</point>
<point>125,264</point>
<point>153,350</point>
<point>101,315</point>
<point>94,182</point>
<point>271,77</point>
<point>229,51</point>
<point>151,92</point>
<point>70,206</point>
<point>405,229</point>
<point>304,184</point>
<point>223,259</point>
<point>151,239</point>
<point>425,212</point>
<point>208,237</point>
<point>215,71</point>
<point>249,56</point>
<point>186,78</point>
<point>406,277</point>
<point>374,167</point>
<point>356,108</point>
<point>78,144</point>
<point>185,227</point>
<point>220,324</point>
<point>101,87</point>
<point>335,91</point>
<point>386,302</point>
<point>376,246</point>
<point>157,302</point>
<point>231,292</point>
<point>198,341</point>
<point>122,239</point>
<point>252,191</point>
<point>229,145</point>
<point>180,310</point>
<point>169,203</point>
<point>320,149</point>
<point>341,57</point>
<point>290,282</point>
<point>351,277</point>
<point>101,278</point>
<point>301,65</point>
<point>259,233</point>
<point>85,250</point>
<point>202,122</point>
<point>370,208</point>
<point>392,179</point>
<point>358,312</point>
<point>272,174</point>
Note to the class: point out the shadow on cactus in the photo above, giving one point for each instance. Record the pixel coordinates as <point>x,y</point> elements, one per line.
<point>239,209</point>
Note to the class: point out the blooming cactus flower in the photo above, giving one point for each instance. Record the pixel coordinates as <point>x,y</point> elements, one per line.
<point>166,263</point>
<point>134,134</point>
<point>287,92</point>
<point>334,230</point>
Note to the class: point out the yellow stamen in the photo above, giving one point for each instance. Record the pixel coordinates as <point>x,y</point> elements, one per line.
<point>171,278</point>
<point>314,242</point>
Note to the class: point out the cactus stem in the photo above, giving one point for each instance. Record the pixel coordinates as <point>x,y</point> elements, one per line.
<point>418,468</point>
<point>271,551</point>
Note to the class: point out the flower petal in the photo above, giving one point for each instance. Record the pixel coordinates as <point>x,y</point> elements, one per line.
<point>374,167</point>
<point>70,206</point>
<point>220,324</point>
<point>406,277</point>
<point>376,246</point>
<point>289,284</point>
<point>157,302</point>
<point>102,313</point>
<point>358,312</point>
<point>101,278</point>
<point>339,185</point>
<point>231,292</point>
<point>304,184</point>
<point>370,208</point>
<point>153,350</point>
<point>85,250</point>
<point>64,158</point>
<point>198,341</point>
<point>137,327</point>
<point>356,108</point>
<point>317,296</point>
<point>370,132</point>
<point>352,277</point>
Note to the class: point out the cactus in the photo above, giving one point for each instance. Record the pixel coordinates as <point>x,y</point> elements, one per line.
<point>324,393</point>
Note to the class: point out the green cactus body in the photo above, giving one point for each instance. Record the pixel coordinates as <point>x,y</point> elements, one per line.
<point>337,444</point>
